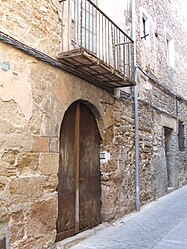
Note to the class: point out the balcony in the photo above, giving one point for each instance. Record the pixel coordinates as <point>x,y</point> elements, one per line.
<point>94,46</point>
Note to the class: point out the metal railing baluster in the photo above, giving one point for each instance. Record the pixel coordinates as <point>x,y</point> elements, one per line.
<point>102,39</point>
<point>94,31</point>
<point>89,25</point>
<point>108,43</point>
<point>69,24</point>
<point>81,23</point>
<point>63,25</point>
<point>105,40</point>
<point>128,60</point>
<point>78,22</point>
<point>85,25</point>
<point>99,39</point>
<point>92,28</point>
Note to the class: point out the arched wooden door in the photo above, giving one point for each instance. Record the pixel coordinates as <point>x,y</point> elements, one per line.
<point>79,188</point>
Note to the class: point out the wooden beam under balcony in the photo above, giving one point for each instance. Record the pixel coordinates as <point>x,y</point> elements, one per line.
<point>86,62</point>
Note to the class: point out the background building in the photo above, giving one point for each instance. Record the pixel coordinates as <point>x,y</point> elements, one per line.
<point>60,110</point>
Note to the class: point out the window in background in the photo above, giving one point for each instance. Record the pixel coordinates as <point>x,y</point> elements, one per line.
<point>170,50</point>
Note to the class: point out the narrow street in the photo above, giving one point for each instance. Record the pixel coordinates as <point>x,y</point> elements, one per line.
<point>161,224</point>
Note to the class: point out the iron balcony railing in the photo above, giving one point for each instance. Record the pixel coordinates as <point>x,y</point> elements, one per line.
<point>85,26</point>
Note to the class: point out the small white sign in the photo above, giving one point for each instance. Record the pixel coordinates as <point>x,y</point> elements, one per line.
<point>5,66</point>
<point>104,157</point>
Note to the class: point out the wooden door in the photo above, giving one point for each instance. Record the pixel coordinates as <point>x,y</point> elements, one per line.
<point>90,186</point>
<point>66,177</point>
<point>79,188</point>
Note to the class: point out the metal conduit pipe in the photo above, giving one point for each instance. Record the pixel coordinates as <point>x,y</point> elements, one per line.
<point>136,109</point>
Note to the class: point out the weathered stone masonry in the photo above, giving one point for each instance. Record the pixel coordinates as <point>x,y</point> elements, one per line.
<point>29,149</point>
<point>34,96</point>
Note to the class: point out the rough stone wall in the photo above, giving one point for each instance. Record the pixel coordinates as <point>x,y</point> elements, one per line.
<point>166,110</point>
<point>159,162</point>
<point>164,17</point>
<point>146,153</point>
<point>29,162</point>
<point>29,148</point>
<point>160,83</point>
<point>35,23</point>
<point>118,176</point>
<point>29,140</point>
<point>182,155</point>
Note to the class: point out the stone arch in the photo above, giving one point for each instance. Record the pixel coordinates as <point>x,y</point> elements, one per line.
<point>95,111</point>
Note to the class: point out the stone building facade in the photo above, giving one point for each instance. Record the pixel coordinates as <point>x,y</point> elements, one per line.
<point>36,91</point>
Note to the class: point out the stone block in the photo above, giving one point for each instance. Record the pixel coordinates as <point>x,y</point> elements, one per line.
<point>108,117</point>
<point>6,169</point>
<point>49,127</point>
<point>40,144</point>
<point>2,185</point>
<point>48,163</point>
<point>108,136</point>
<point>50,184</point>
<point>26,189</point>
<point>35,121</point>
<point>46,241</point>
<point>169,122</point>
<point>109,167</point>
<point>16,232</point>
<point>54,144</point>
<point>27,163</point>
<point>19,140</point>
<point>9,156</point>
<point>42,218</point>
<point>3,215</point>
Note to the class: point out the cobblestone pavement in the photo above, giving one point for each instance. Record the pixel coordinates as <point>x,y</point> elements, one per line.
<point>161,224</point>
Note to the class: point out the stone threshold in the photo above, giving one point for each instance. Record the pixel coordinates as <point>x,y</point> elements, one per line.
<point>71,241</point>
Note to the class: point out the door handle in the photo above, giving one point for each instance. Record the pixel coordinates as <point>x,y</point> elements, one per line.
<point>81,180</point>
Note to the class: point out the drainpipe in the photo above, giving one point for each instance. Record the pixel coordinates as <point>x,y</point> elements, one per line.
<point>136,109</point>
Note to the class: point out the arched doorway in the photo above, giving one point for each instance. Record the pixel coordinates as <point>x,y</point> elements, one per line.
<point>79,188</point>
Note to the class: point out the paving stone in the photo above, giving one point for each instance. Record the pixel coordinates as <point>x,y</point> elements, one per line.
<point>161,224</point>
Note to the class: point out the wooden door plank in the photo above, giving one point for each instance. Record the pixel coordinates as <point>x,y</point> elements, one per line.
<point>66,176</point>
<point>77,160</point>
<point>90,185</point>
